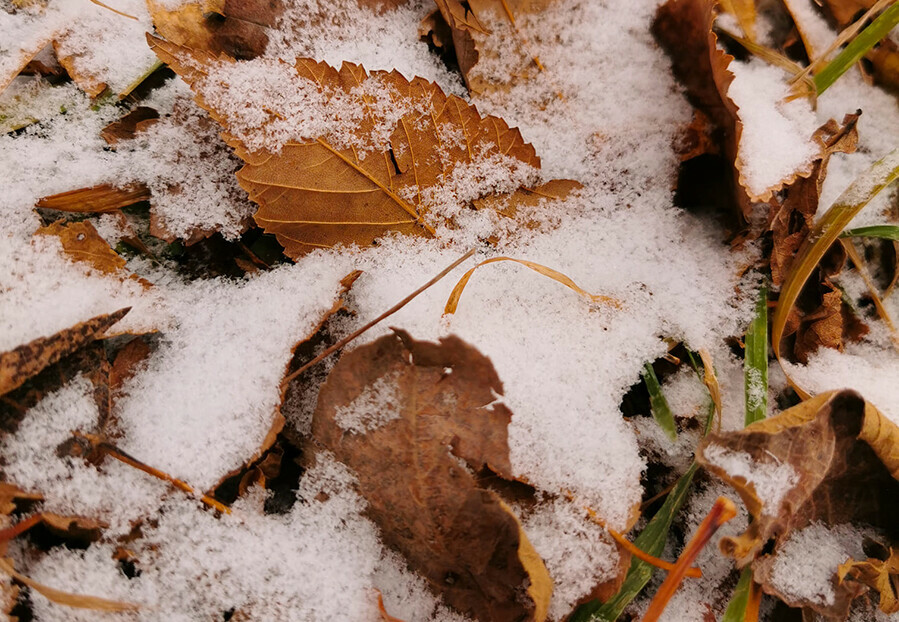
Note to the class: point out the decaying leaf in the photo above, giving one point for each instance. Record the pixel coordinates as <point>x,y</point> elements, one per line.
<point>407,152</point>
<point>233,27</point>
<point>685,30</point>
<point>832,459</point>
<point>485,30</point>
<point>82,243</point>
<point>879,573</point>
<point>128,126</point>
<point>68,58</point>
<point>23,362</point>
<point>415,420</point>
<point>96,199</point>
<point>792,219</point>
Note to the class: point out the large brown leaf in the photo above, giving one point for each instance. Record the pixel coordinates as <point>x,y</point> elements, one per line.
<point>25,361</point>
<point>359,180</point>
<point>417,421</point>
<point>832,459</point>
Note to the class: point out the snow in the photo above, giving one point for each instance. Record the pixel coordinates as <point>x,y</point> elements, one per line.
<point>806,563</point>
<point>776,140</point>
<point>200,406</point>
<point>375,407</point>
<point>770,480</point>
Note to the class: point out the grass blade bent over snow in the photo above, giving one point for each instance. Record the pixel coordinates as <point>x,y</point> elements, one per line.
<point>826,231</point>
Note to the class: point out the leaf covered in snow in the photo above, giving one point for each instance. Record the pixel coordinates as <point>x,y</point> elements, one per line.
<point>346,156</point>
<point>832,459</point>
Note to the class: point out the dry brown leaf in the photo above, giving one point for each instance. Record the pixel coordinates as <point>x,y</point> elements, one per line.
<point>81,242</point>
<point>439,421</point>
<point>843,457</point>
<point>68,58</point>
<point>485,29</point>
<point>792,219</point>
<point>314,195</point>
<point>685,30</point>
<point>96,199</point>
<point>128,126</point>
<point>20,364</point>
<point>233,27</point>
<point>879,574</point>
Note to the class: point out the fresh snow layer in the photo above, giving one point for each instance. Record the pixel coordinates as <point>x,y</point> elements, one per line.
<point>770,480</point>
<point>776,141</point>
<point>202,403</point>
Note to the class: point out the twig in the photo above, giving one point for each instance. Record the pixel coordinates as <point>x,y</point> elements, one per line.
<point>872,289</point>
<point>388,313</point>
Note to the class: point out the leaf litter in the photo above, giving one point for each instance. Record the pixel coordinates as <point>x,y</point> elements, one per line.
<point>201,402</point>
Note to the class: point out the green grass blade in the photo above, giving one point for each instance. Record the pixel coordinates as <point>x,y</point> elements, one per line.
<point>651,540</point>
<point>885,232</point>
<point>736,609</point>
<point>755,362</point>
<point>661,412</point>
<point>857,48</point>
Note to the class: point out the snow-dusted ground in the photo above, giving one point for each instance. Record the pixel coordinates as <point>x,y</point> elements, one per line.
<point>204,401</point>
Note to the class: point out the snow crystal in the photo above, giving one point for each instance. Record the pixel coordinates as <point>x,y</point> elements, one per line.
<point>805,565</point>
<point>770,481</point>
<point>376,406</point>
<point>212,388</point>
<point>776,142</point>
<point>687,396</point>
<point>578,554</point>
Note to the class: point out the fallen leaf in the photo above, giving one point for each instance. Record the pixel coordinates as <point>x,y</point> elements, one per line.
<point>685,30</point>
<point>67,56</point>
<point>96,199</point>
<point>384,172</point>
<point>233,27</point>
<point>415,420</point>
<point>25,361</point>
<point>792,219</point>
<point>486,30</point>
<point>128,126</point>
<point>832,459</point>
<point>81,242</point>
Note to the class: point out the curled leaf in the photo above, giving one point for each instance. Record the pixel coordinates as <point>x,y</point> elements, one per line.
<point>832,459</point>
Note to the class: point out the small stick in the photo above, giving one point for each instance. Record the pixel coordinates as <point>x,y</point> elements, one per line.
<point>723,510</point>
<point>402,303</point>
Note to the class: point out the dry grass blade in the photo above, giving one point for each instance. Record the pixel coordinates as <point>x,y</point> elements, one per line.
<point>111,450</point>
<point>80,601</point>
<point>402,303</point>
<point>453,302</point>
<point>723,510</point>
<point>826,231</point>
<point>97,199</point>
<point>872,289</point>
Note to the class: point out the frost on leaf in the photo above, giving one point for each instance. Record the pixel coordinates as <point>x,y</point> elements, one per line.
<point>833,459</point>
<point>418,469</point>
<point>491,52</point>
<point>343,156</point>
